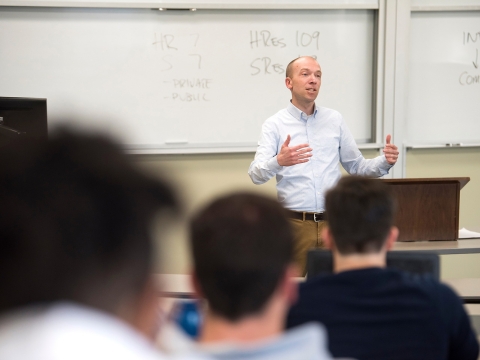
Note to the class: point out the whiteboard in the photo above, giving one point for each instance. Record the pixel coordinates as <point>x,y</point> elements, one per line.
<point>194,81</point>
<point>444,78</point>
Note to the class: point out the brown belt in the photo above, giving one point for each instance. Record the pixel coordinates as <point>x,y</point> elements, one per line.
<point>308,216</point>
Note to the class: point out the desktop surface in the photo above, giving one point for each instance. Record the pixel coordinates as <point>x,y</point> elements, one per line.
<point>462,246</point>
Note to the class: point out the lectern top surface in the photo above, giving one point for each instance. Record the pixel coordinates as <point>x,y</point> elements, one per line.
<point>462,180</point>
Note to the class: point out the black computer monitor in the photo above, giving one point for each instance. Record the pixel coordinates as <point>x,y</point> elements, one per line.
<point>22,118</point>
<point>320,262</point>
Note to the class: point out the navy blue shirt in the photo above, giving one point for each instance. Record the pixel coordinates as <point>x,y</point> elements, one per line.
<point>384,314</point>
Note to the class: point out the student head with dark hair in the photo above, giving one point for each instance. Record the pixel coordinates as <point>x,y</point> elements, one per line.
<point>242,248</point>
<point>360,215</point>
<point>370,311</point>
<point>76,248</point>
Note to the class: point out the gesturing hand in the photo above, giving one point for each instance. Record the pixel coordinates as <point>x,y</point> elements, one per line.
<point>294,155</point>
<point>390,151</point>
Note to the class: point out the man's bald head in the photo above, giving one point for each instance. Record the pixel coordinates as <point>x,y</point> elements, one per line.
<point>288,72</point>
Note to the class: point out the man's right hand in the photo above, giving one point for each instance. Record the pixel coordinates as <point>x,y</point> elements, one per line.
<point>294,155</point>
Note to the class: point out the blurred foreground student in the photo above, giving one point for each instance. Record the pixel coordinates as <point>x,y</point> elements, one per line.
<point>75,251</point>
<point>242,248</point>
<point>371,312</point>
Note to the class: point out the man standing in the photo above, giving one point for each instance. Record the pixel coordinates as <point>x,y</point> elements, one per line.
<point>372,312</point>
<point>302,146</point>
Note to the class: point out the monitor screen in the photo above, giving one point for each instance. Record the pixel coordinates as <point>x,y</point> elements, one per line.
<point>22,118</point>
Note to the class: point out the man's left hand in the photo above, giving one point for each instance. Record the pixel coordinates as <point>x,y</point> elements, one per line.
<point>390,151</point>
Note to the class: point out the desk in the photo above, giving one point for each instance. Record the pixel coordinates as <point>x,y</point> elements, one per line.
<point>468,289</point>
<point>179,286</point>
<point>462,246</point>
<point>175,285</point>
<point>473,311</point>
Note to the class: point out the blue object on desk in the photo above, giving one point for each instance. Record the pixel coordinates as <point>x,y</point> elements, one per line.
<point>186,315</point>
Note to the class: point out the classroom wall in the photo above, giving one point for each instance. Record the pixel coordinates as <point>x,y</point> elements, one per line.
<point>200,178</point>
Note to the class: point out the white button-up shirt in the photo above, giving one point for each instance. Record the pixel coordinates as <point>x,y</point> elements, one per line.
<point>302,187</point>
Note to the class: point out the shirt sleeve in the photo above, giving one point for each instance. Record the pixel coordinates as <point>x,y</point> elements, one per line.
<point>264,166</point>
<point>353,161</point>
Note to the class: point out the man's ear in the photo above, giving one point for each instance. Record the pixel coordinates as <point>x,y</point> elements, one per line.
<point>288,83</point>
<point>327,238</point>
<point>197,289</point>
<point>392,237</point>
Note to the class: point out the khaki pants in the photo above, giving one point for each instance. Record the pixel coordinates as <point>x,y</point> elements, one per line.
<point>308,235</point>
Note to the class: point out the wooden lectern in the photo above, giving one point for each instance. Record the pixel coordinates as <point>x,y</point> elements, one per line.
<point>427,209</point>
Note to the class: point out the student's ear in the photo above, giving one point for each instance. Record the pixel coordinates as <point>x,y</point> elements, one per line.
<point>291,283</point>
<point>197,289</point>
<point>392,237</point>
<point>327,238</point>
<point>143,312</point>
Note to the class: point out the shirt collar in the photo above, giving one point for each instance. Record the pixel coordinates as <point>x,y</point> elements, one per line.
<point>299,114</point>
